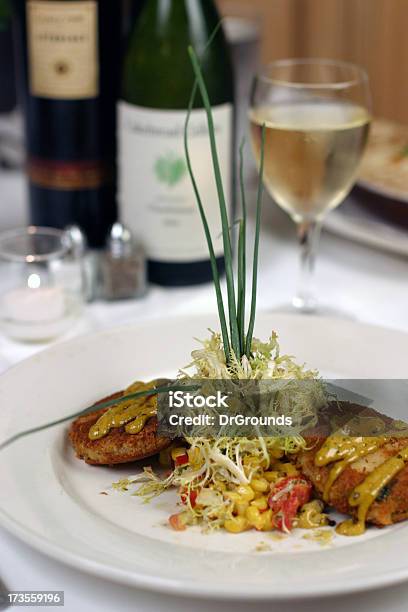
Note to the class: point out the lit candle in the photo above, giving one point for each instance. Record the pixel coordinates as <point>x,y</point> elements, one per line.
<point>34,304</point>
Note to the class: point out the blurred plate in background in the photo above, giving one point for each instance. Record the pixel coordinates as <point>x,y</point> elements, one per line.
<point>376,212</point>
<point>384,169</point>
<point>356,221</point>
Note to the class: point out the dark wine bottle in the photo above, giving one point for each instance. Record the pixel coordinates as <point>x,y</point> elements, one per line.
<point>70,52</point>
<point>156,198</point>
<point>7,77</point>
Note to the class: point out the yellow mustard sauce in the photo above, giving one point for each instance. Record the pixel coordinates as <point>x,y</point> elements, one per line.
<point>364,494</point>
<point>132,414</point>
<point>345,450</point>
<point>342,451</point>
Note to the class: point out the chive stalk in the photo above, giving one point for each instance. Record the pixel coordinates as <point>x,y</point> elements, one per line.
<point>238,341</point>
<point>241,283</point>
<point>99,406</point>
<point>213,261</point>
<point>229,272</point>
<point>256,247</point>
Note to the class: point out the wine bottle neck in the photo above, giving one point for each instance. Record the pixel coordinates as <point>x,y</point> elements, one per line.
<point>157,70</point>
<point>191,19</point>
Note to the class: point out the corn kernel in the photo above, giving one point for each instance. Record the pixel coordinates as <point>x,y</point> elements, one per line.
<point>266,521</point>
<point>259,485</point>
<point>253,517</point>
<point>240,507</point>
<point>194,456</point>
<point>311,515</point>
<point>245,492</point>
<point>271,476</point>
<point>236,524</point>
<point>232,495</point>
<point>261,503</point>
<point>252,461</point>
<point>290,470</point>
<point>286,468</point>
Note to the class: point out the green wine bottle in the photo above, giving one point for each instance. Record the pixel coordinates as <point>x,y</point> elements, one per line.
<point>155,193</point>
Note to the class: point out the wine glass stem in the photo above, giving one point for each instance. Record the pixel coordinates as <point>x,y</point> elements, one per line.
<point>308,235</point>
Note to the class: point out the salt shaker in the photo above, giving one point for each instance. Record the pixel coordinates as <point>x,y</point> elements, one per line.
<point>123,266</point>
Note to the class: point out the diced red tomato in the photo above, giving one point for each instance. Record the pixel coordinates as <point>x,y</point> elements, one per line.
<point>177,521</point>
<point>179,456</point>
<point>286,498</point>
<point>184,495</point>
<point>181,460</point>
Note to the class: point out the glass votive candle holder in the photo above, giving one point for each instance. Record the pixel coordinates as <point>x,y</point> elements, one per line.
<point>41,283</point>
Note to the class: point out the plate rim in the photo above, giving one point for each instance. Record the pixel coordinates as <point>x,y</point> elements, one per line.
<point>185,589</point>
<point>200,317</point>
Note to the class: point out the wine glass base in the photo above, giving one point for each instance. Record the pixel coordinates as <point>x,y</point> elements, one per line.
<point>318,309</point>
<point>305,305</point>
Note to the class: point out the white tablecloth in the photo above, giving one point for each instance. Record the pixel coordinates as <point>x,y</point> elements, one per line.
<point>369,285</point>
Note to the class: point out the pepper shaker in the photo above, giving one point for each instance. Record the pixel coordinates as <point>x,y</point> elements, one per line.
<point>123,266</point>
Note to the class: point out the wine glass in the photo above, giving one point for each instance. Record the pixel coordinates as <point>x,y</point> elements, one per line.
<point>317,115</point>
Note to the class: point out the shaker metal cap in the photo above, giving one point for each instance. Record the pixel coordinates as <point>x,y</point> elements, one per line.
<point>77,240</point>
<point>120,241</point>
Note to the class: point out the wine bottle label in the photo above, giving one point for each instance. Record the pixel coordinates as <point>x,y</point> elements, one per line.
<point>156,196</point>
<point>68,175</point>
<point>63,49</point>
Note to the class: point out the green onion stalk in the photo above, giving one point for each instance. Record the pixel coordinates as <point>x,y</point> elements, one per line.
<point>236,342</point>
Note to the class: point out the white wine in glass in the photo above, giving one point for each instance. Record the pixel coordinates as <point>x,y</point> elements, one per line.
<point>316,115</point>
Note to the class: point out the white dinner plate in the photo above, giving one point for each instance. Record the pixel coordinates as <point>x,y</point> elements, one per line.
<point>52,501</point>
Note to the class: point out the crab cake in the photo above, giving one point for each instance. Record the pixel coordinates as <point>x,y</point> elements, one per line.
<point>391,503</point>
<point>117,446</point>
